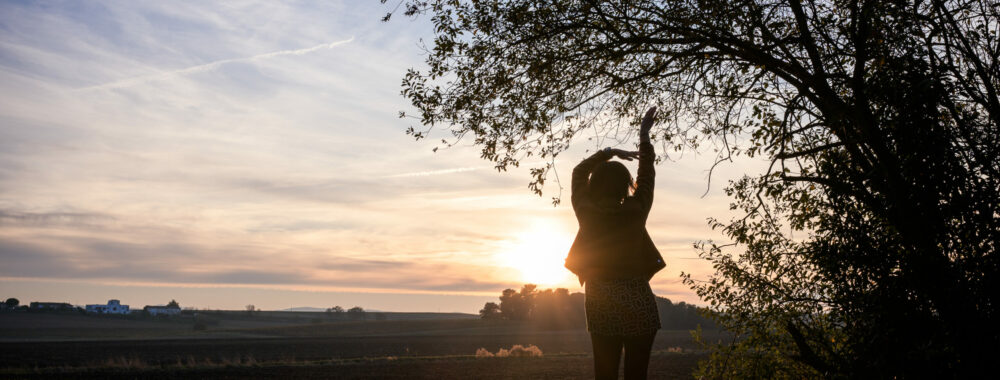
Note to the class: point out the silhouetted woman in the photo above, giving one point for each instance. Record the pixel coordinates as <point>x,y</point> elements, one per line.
<point>614,256</point>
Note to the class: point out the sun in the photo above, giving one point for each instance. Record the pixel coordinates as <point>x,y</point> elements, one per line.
<point>538,253</point>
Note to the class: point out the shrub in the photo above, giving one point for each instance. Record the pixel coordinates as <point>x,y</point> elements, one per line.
<point>517,351</point>
<point>483,353</point>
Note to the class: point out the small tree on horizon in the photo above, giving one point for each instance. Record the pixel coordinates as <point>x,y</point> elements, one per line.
<point>490,311</point>
<point>12,302</point>
<point>356,312</point>
<point>173,304</point>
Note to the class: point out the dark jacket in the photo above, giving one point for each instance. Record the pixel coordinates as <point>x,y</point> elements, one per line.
<point>612,241</point>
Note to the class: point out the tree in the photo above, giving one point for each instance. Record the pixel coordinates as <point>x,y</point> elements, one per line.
<point>682,316</point>
<point>880,119</point>
<point>173,304</point>
<point>550,308</point>
<point>558,309</point>
<point>251,309</point>
<point>356,312</point>
<point>490,311</point>
<point>510,304</point>
<point>517,306</point>
<point>335,310</point>
<point>528,294</point>
<point>12,302</point>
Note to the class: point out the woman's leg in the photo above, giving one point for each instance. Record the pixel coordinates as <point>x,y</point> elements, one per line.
<point>607,354</point>
<point>637,350</point>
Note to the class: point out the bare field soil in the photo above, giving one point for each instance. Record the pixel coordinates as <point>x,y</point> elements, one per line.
<point>45,326</point>
<point>197,351</point>
<point>70,346</point>
<point>661,366</point>
<point>19,327</point>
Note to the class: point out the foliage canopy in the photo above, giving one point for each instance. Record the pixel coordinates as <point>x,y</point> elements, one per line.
<point>881,121</point>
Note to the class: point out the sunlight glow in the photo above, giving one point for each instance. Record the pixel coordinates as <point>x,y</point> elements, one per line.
<point>538,253</point>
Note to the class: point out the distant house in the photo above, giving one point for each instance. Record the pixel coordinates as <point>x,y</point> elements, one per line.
<point>162,310</point>
<point>51,306</point>
<point>113,307</point>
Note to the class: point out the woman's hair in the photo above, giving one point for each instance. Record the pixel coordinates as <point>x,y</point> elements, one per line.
<point>610,181</point>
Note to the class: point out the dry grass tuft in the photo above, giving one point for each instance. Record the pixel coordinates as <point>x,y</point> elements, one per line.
<point>517,351</point>
<point>126,362</point>
<point>484,353</point>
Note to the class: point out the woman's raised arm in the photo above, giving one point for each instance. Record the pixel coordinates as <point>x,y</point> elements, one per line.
<point>646,178</point>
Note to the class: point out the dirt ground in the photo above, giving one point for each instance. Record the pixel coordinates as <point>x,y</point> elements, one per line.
<point>664,366</point>
<point>74,347</point>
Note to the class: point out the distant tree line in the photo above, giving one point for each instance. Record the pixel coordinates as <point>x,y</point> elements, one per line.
<point>682,316</point>
<point>558,308</point>
<point>11,304</point>
<point>355,313</point>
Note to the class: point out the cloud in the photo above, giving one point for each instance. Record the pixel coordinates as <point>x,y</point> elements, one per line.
<point>162,255</point>
<point>210,66</point>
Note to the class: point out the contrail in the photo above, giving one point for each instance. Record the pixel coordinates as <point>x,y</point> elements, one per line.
<point>209,66</point>
<point>437,172</point>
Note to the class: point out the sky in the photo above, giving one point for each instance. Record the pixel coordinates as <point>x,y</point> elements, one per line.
<point>249,152</point>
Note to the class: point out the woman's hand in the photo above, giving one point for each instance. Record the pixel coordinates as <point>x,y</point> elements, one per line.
<point>647,122</point>
<point>624,154</point>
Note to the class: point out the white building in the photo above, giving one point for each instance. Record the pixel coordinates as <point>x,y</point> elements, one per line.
<point>113,307</point>
<point>162,310</point>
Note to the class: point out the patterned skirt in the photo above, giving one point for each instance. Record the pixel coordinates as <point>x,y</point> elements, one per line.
<point>621,307</point>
